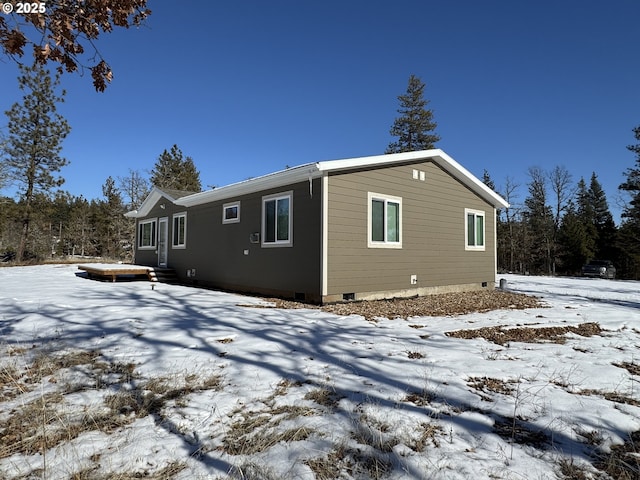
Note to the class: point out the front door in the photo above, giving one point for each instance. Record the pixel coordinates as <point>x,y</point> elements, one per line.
<point>163,241</point>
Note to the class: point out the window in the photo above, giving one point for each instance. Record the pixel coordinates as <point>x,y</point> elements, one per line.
<point>147,234</point>
<point>231,212</point>
<point>180,230</point>
<point>277,222</point>
<point>384,221</point>
<point>474,229</point>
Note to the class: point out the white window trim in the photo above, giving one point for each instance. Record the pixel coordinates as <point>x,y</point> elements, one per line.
<point>173,233</point>
<point>476,213</point>
<point>278,243</point>
<point>154,238</point>
<point>224,210</point>
<point>386,198</point>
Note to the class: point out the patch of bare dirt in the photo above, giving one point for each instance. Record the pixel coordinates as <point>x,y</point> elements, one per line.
<point>502,335</point>
<point>491,385</point>
<point>446,304</point>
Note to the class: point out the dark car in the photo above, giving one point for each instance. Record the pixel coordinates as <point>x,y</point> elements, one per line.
<point>599,268</point>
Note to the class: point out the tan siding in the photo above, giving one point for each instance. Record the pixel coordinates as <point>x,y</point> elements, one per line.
<point>433,241</point>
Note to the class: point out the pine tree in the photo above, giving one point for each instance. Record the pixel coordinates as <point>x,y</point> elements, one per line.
<point>585,215</point>
<point>80,229</point>
<point>632,185</point>
<point>630,228</point>
<point>487,180</point>
<point>9,228</point>
<point>113,229</point>
<point>34,143</point>
<point>576,246</point>
<point>4,170</point>
<point>539,219</point>
<point>415,125</point>
<point>603,222</point>
<point>173,171</point>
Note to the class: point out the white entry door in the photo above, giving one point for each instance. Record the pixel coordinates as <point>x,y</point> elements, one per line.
<point>163,241</point>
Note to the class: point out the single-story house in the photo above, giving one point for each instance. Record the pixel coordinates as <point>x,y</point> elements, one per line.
<point>361,228</point>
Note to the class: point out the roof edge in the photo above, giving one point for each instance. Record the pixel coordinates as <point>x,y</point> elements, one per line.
<point>436,154</point>
<point>310,171</point>
<point>153,196</point>
<point>251,185</point>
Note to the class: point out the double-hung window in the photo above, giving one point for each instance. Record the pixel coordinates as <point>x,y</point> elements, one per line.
<point>384,219</point>
<point>180,230</point>
<point>474,229</point>
<point>277,220</point>
<point>147,234</point>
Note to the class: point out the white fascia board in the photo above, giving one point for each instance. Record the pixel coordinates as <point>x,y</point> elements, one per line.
<point>436,155</point>
<point>265,182</point>
<point>153,197</point>
<point>315,170</point>
<point>471,181</point>
<point>376,160</point>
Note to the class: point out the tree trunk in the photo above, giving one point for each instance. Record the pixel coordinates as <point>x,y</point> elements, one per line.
<point>23,239</point>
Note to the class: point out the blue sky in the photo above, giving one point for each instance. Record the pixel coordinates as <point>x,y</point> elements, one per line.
<point>248,87</point>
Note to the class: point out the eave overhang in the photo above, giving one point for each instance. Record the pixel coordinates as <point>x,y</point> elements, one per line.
<point>311,171</point>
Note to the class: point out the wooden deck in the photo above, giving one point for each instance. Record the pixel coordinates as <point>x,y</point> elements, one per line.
<point>113,270</point>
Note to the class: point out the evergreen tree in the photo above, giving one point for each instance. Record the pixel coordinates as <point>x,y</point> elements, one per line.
<point>80,229</point>
<point>9,228</point>
<point>175,172</point>
<point>43,231</point>
<point>59,219</point>
<point>487,180</point>
<point>113,228</point>
<point>576,246</point>
<point>604,225</point>
<point>4,169</point>
<point>34,143</point>
<point>632,185</point>
<point>585,215</point>
<point>630,228</point>
<point>539,219</point>
<point>415,125</point>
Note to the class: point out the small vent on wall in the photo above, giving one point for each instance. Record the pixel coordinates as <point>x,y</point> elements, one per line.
<point>419,175</point>
<point>348,297</point>
<point>254,237</point>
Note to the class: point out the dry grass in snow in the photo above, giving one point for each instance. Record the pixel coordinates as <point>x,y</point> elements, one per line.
<point>115,381</point>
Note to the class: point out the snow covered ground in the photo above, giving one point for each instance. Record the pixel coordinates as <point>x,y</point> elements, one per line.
<point>192,383</point>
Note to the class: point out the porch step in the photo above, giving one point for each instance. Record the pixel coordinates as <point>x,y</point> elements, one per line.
<point>163,275</point>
